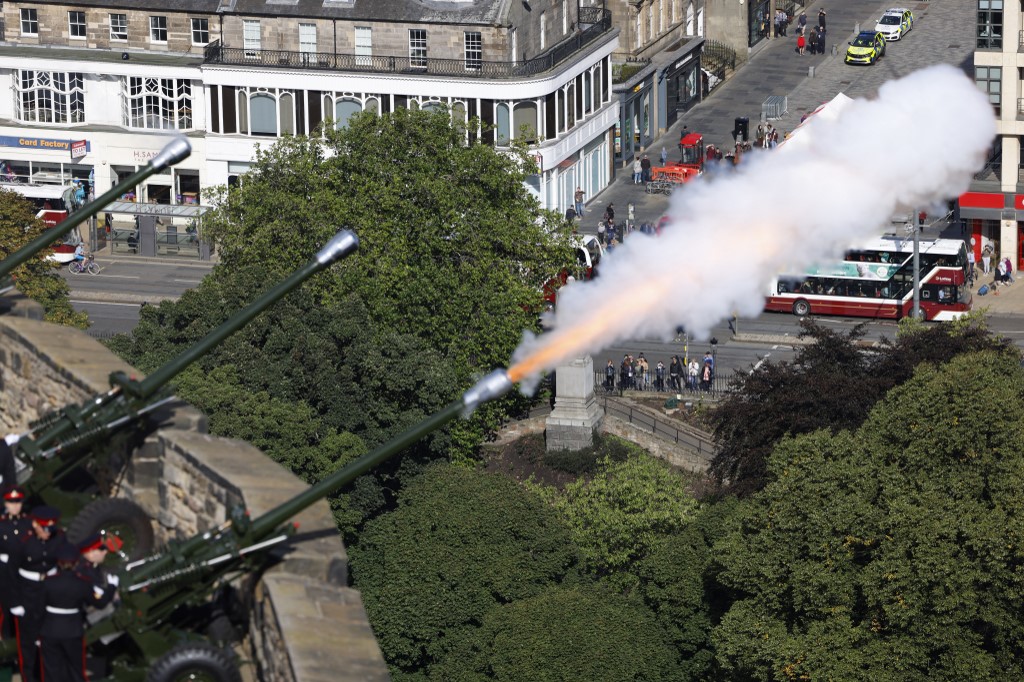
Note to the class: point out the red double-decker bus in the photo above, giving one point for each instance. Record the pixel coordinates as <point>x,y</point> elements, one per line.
<point>877,280</point>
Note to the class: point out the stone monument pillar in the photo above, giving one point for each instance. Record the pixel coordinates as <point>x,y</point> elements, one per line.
<point>577,415</point>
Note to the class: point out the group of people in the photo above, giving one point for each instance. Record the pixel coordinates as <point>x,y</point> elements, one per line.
<point>815,42</point>
<point>767,137</point>
<point>636,374</point>
<point>47,584</point>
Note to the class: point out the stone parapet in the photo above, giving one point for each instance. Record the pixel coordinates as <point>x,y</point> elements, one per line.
<point>306,623</point>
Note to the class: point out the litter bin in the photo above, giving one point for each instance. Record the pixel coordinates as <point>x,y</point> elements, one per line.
<point>741,129</point>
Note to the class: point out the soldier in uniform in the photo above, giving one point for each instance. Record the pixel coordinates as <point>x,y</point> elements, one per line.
<point>94,551</point>
<point>66,596</point>
<point>14,527</point>
<point>34,559</point>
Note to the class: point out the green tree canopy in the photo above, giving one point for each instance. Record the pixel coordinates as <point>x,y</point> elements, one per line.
<point>460,543</point>
<point>617,515</point>
<point>892,552</point>
<point>35,278</point>
<point>565,634</point>
<point>832,383</point>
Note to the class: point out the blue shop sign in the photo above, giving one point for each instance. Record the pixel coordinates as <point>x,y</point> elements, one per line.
<point>37,143</point>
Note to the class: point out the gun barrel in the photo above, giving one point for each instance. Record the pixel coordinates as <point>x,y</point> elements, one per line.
<point>341,245</point>
<point>492,386</point>
<point>175,151</point>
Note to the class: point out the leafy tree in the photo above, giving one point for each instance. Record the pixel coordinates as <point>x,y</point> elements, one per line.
<point>460,543</point>
<point>35,278</point>
<point>565,634</point>
<point>619,514</point>
<point>832,383</point>
<point>892,552</point>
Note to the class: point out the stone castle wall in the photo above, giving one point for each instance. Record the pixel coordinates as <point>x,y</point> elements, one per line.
<point>307,624</point>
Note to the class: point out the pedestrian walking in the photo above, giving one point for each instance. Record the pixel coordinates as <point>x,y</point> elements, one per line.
<point>802,22</point>
<point>801,43</point>
<point>821,39</point>
<point>664,156</point>
<point>638,170</point>
<point>645,167</point>
<point>812,44</point>
<point>578,200</point>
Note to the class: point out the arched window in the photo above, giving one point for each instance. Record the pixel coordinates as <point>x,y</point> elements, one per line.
<point>286,113</point>
<point>588,93</point>
<point>344,109</point>
<point>503,125</point>
<point>372,105</point>
<point>570,101</point>
<point>243,111</point>
<point>524,118</point>
<point>431,106</point>
<point>263,111</point>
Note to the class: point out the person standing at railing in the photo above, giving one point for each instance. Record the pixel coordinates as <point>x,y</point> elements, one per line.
<point>659,377</point>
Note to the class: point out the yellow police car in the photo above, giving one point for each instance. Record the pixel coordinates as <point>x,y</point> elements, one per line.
<point>867,48</point>
<point>895,23</point>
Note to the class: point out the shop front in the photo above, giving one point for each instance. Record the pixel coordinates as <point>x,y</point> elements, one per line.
<point>679,81</point>
<point>98,163</point>
<point>759,21</point>
<point>994,222</point>
<point>635,129</point>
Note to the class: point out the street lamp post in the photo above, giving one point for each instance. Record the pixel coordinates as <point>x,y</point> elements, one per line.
<point>917,264</point>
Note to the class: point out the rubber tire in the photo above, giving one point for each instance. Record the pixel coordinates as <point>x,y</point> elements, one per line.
<point>192,658</point>
<point>118,511</point>
<point>73,267</point>
<point>801,308</point>
<point>93,269</point>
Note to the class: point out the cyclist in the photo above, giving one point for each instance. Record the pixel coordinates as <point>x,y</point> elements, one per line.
<point>80,252</point>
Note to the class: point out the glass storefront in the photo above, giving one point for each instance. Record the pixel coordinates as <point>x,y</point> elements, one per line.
<point>634,131</point>
<point>759,21</point>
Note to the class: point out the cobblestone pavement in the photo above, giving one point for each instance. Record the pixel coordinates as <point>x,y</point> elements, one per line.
<point>943,32</point>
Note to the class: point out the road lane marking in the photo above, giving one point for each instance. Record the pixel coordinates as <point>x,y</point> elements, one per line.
<point>188,281</point>
<point>130,305</point>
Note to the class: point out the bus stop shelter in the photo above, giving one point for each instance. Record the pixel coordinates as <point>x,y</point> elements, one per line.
<point>155,231</point>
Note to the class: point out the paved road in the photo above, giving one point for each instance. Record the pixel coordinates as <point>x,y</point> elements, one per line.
<point>943,33</point>
<point>112,298</point>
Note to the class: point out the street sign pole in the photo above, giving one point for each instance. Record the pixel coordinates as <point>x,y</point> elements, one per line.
<point>917,264</point>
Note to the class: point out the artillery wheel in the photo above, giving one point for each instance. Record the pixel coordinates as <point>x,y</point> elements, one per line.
<point>194,661</point>
<point>119,517</point>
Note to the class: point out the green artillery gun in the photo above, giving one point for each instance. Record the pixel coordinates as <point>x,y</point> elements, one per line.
<point>71,454</point>
<point>176,150</point>
<point>153,634</point>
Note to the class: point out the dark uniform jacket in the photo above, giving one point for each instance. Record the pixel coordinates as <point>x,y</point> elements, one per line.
<point>67,594</point>
<point>13,531</point>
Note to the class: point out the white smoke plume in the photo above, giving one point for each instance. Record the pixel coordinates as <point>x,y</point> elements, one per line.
<point>916,144</point>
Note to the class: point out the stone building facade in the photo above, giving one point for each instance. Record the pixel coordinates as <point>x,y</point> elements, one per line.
<point>121,76</point>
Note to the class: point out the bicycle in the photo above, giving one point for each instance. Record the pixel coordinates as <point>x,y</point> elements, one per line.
<point>88,264</point>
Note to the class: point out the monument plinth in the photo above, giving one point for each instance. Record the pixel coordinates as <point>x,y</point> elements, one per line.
<point>577,415</point>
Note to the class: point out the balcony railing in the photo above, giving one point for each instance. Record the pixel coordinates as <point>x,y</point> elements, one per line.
<point>594,22</point>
